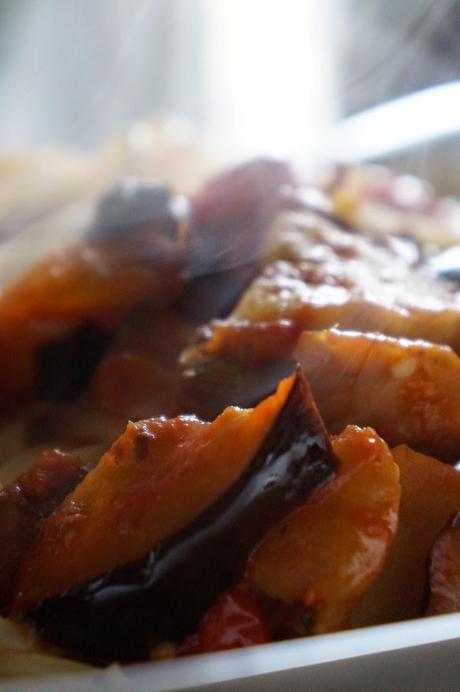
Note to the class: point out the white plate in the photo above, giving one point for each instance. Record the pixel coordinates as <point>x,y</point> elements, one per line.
<point>417,655</point>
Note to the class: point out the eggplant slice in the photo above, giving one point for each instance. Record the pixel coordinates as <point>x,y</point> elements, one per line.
<point>120,615</point>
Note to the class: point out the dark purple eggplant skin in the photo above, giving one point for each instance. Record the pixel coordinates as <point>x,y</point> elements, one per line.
<point>229,219</point>
<point>214,383</point>
<point>133,204</point>
<point>120,615</point>
<point>231,214</point>
<point>214,295</point>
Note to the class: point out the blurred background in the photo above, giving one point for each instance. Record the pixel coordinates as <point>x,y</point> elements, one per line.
<point>251,75</point>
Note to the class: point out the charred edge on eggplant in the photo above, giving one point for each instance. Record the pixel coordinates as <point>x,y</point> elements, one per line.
<point>162,597</point>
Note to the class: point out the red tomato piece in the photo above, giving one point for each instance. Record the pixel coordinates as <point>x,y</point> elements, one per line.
<point>234,621</point>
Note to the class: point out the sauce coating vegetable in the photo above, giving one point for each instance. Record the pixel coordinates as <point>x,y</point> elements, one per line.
<point>197,516</point>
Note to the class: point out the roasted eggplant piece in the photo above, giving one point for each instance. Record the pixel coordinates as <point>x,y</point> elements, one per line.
<point>231,215</point>
<point>74,299</point>
<point>408,391</point>
<point>213,295</point>
<point>316,276</point>
<point>136,206</point>
<point>444,573</point>
<point>214,383</point>
<point>230,218</point>
<point>430,495</point>
<point>81,285</point>
<point>166,521</point>
<point>252,344</point>
<point>327,552</point>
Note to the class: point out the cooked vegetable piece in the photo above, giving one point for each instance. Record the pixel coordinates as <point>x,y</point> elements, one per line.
<point>134,387</point>
<point>327,552</point>
<point>81,285</point>
<point>235,620</point>
<point>80,282</point>
<point>188,500</point>
<point>50,478</point>
<point>317,276</point>
<point>430,494</point>
<point>231,213</point>
<point>238,381</point>
<point>154,480</point>
<point>211,383</point>
<point>444,574</point>
<point>135,252</point>
<point>230,217</point>
<point>252,343</point>
<point>408,391</point>
<point>134,205</point>
<point>313,300</point>
<point>34,495</point>
<point>213,295</point>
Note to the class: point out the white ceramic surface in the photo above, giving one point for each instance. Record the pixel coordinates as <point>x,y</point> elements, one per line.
<point>418,655</point>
